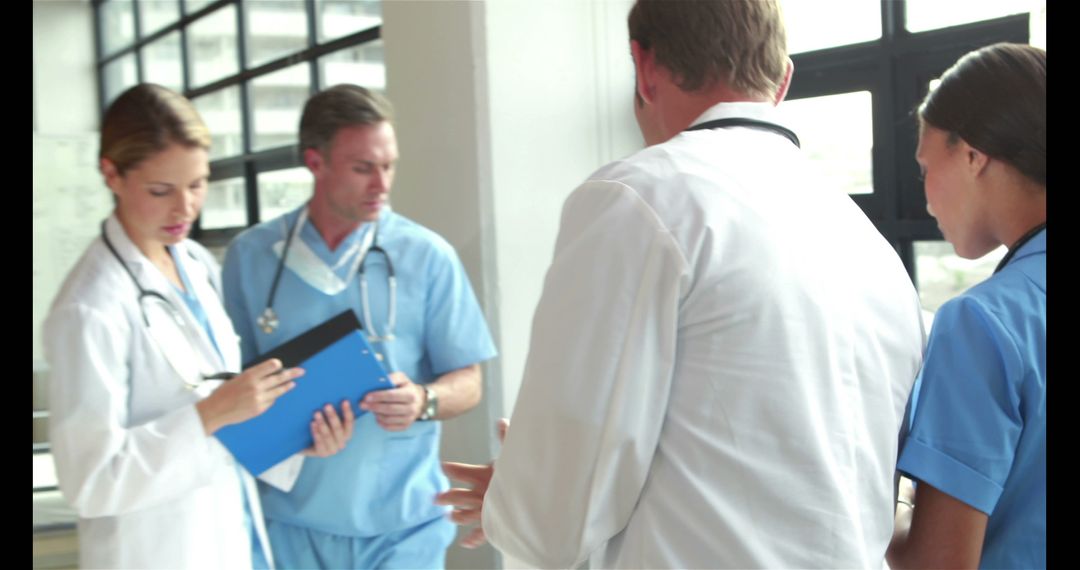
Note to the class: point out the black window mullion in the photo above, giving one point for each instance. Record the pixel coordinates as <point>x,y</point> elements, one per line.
<point>251,190</point>
<point>313,40</point>
<point>99,52</point>
<point>886,125</point>
<point>185,75</point>
<point>185,71</point>
<point>893,19</point>
<point>247,117</point>
<point>359,38</point>
<point>884,128</point>
<point>137,44</point>
<point>843,70</point>
<point>907,255</point>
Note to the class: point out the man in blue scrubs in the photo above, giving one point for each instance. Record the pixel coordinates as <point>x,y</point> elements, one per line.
<point>371,505</point>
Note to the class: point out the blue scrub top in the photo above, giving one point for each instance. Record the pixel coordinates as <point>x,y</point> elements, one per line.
<point>978,430</point>
<point>382,481</point>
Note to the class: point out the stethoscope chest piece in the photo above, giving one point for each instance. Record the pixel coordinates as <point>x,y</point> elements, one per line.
<point>268,321</point>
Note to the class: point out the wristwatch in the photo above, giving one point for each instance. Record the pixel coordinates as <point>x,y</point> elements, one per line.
<point>431,408</point>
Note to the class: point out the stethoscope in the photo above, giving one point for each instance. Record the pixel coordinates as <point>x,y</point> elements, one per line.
<point>752,123</point>
<point>269,321</point>
<point>1019,243</point>
<point>154,299</point>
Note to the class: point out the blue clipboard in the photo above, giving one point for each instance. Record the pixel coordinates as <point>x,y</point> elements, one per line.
<point>338,364</point>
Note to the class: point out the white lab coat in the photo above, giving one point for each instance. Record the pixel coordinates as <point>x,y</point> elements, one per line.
<point>150,488</point>
<point>717,372</point>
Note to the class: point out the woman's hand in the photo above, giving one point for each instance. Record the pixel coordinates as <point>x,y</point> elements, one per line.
<point>249,394</point>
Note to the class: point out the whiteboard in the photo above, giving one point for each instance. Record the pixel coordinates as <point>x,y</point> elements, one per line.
<point>70,200</point>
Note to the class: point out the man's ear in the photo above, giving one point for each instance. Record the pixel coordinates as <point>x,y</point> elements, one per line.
<point>785,84</point>
<point>644,71</point>
<point>313,159</point>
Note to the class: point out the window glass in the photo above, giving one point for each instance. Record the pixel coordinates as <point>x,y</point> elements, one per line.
<point>837,134</point>
<point>275,28</point>
<point>156,14</point>
<point>362,65</point>
<point>117,25</point>
<point>192,6</point>
<point>336,18</point>
<point>281,191</point>
<point>225,205</point>
<point>118,76</point>
<point>813,25</point>
<point>212,46</point>
<point>220,111</point>
<point>162,62</point>
<point>942,275</point>
<point>925,15</point>
<point>277,100</point>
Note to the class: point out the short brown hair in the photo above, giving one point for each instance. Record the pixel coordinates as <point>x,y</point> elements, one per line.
<point>994,99</point>
<point>340,106</point>
<point>146,119</point>
<point>740,42</point>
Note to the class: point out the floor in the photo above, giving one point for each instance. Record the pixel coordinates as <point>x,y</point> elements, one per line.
<point>56,544</point>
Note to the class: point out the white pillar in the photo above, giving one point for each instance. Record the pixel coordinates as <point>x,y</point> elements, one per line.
<point>1038,24</point>
<point>502,108</point>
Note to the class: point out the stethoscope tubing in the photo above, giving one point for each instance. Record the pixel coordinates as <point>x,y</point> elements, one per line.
<point>143,293</point>
<point>751,123</point>
<point>268,320</point>
<point>174,314</point>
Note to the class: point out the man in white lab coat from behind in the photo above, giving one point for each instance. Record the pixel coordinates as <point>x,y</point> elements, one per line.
<point>724,346</point>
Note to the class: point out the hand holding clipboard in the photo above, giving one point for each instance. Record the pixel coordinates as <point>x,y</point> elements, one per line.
<point>338,364</point>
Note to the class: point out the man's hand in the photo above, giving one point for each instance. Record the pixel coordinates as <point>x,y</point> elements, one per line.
<point>469,503</point>
<point>397,408</point>
<point>330,432</point>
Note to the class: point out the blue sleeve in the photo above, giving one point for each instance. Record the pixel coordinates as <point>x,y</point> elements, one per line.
<point>235,303</point>
<point>967,421</point>
<point>456,334</point>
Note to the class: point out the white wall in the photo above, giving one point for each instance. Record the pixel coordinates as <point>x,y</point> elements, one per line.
<point>65,90</point>
<point>65,118</point>
<point>503,107</point>
<point>561,90</point>
<point>1038,24</point>
<point>435,80</point>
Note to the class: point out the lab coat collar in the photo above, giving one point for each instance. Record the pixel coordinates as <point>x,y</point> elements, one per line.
<point>152,279</point>
<point>742,109</point>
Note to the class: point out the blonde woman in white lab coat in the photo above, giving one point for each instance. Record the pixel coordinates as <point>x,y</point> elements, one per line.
<point>134,338</point>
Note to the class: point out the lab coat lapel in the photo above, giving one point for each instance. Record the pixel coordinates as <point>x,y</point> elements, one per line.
<point>153,280</point>
<point>227,341</point>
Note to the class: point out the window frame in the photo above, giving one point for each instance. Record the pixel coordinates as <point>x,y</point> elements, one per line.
<point>249,163</point>
<point>897,68</point>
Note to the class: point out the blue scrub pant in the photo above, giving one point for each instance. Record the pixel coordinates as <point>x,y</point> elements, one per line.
<point>422,546</point>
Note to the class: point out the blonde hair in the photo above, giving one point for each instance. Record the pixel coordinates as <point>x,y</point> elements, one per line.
<point>145,120</point>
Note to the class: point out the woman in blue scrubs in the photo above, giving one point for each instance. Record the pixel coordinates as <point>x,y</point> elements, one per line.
<point>976,447</point>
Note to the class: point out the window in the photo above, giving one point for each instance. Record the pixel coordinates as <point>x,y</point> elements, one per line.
<point>248,66</point>
<point>874,81</point>
<point>943,275</point>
